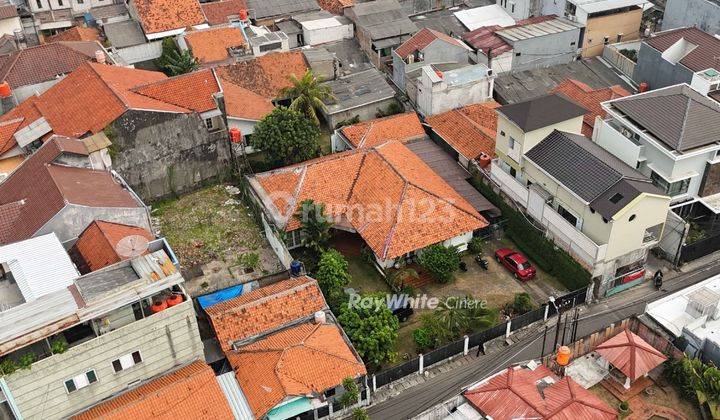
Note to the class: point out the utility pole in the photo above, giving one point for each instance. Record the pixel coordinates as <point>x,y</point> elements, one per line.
<point>542,352</point>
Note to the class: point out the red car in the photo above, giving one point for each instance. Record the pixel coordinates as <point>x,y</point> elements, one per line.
<point>516,262</point>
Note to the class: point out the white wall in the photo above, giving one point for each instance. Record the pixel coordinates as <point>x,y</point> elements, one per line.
<point>8,26</point>
<point>315,36</point>
<point>142,52</point>
<point>436,96</point>
<point>23,92</point>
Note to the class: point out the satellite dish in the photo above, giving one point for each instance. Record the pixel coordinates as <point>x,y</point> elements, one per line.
<point>132,246</point>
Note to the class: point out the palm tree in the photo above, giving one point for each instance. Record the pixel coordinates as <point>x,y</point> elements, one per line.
<point>308,94</point>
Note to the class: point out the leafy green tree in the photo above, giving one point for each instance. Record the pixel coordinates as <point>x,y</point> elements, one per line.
<point>423,339</point>
<point>332,276</point>
<point>174,62</point>
<point>360,414</point>
<point>453,318</point>
<point>523,303</point>
<point>440,261</point>
<point>373,329</point>
<point>309,95</point>
<point>352,392</point>
<point>286,136</point>
<point>315,226</point>
<point>476,245</point>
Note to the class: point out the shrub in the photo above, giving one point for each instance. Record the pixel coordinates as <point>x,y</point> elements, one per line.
<point>422,338</point>
<point>522,303</point>
<point>373,329</point>
<point>350,397</point>
<point>624,406</point>
<point>58,346</point>
<point>360,414</point>
<point>535,245</point>
<point>476,245</point>
<point>440,261</point>
<point>7,367</point>
<point>26,360</point>
<point>392,109</point>
<point>249,260</point>
<point>332,277</point>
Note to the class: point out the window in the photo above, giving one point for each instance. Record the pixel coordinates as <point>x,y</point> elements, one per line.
<point>517,54</point>
<point>512,8</point>
<point>632,217</point>
<point>619,38</point>
<point>39,4</point>
<point>606,40</point>
<point>510,261</point>
<point>127,361</point>
<point>567,215</point>
<point>670,188</point>
<point>81,381</point>
<point>60,3</point>
<point>6,411</point>
<point>616,198</point>
<point>209,124</point>
<point>572,44</point>
<point>270,47</point>
<point>511,142</point>
<point>502,133</point>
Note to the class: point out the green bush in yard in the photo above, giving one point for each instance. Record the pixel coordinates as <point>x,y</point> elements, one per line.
<point>332,276</point>
<point>372,329</point>
<point>535,245</point>
<point>422,338</point>
<point>441,261</point>
<point>476,245</point>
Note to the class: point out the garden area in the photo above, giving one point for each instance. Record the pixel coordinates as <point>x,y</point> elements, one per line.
<point>216,239</point>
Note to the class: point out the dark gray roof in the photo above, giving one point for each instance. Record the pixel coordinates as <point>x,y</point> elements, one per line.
<point>449,170</point>
<point>260,9</point>
<point>513,87</point>
<point>102,281</point>
<point>589,171</point>
<point>542,112</point>
<point>124,34</point>
<point>381,19</point>
<point>358,89</point>
<point>678,116</point>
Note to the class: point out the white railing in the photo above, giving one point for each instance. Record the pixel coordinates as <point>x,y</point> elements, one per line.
<point>509,184</point>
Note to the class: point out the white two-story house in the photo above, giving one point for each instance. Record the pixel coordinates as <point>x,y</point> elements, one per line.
<point>604,213</point>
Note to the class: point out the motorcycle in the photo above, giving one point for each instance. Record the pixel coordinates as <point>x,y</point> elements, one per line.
<point>658,279</point>
<point>482,262</point>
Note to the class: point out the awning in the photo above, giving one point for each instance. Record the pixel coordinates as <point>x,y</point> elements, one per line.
<point>211,299</point>
<point>290,409</point>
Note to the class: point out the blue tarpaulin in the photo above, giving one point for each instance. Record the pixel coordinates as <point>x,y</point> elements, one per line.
<point>222,295</point>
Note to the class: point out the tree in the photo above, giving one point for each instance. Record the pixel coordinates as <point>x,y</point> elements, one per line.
<point>174,62</point>
<point>352,392</point>
<point>332,275</point>
<point>308,94</point>
<point>440,261</point>
<point>315,226</point>
<point>286,136</point>
<point>373,329</point>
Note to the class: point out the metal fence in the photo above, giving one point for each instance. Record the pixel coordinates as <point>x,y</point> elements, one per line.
<point>444,352</point>
<point>397,372</point>
<point>522,321</point>
<point>700,248</point>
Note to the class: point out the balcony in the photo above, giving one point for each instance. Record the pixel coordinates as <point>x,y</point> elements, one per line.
<point>620,141</point>
<point>560,231</point>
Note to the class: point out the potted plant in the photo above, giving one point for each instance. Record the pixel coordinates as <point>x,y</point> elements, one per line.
<point>624,407</point>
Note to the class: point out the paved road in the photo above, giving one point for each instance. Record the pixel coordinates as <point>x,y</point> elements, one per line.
<point>444,386</point>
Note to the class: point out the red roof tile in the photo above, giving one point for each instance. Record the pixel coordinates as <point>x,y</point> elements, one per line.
<point>401,127</point>
<point>97,245</point>
<point>303,360</point>
<point>589,99</point>
<point>244,104</point>
<point>632,355</point>
<point>166,15</point>
<point>211,45</point>
<point>219,12</point>
<point>189,392</point>
<point>193,91</point>
<point>43,188</point>
<point>388,179</point>
<point>701,58</point>
<point>335,6</point>
<point>76,33</point>
<point>422,39</point>
<point>265,309</point>
<point>514,394</point>
<point>484,39</point>
<point>8,10</point>
<point>42,63</point>
<point>469,130</point>
<point>266,75</point>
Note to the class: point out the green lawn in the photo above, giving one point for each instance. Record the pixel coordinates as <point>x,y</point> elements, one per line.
<point>365,277</point>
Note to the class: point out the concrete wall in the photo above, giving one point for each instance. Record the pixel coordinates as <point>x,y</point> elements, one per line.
<point>365,112</point>
<point>611,53</point>
<point>626,24</point>
<point>435,96</point>
<point>704,14</point>
<point>23,92</point>
<point>142,52</point>
<point>559,48</point>
<point>437,52</point>
<point>327,34</point>
<point>553,7</point>
<point>521,9</point>
<point>69,222</point>
<point>160,154</point>
<point>657,71</point>
<point>165,340</point>
<point>8,26</point>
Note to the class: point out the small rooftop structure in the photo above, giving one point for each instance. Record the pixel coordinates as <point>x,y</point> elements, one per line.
<point>188,392</point>
<point>490,15</point>
<point>470,130</point>
<point>400,127</point>
<point>630,354</point>
<point>383,20</point>
<point>422,39</point>
<point>105,243</point>
<point>215,44</point>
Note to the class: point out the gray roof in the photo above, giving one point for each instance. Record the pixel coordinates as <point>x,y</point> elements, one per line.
<point>680,117</point>
<point>382,19</point>
<point>351,58</point>
<point>589,171</point>
<point>542,112</point>
<point>260,9</point>
<point>357,90</point>
<point>109,11</point>
<point>314,15</point>
<point>512,87</point>
<point>289,27</point>
<point>124,34</point>
<point>444,165</point>
<point>443,21</point>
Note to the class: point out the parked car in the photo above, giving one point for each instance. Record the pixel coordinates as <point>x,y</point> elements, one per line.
<point>516,262</point>
<point>401,312</point>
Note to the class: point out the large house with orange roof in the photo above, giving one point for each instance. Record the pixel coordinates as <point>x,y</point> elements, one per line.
<point>167,134</point>
<point>400,127</point>
<point>287,351</point>
<point>591,99</point>
<point>385,194</point>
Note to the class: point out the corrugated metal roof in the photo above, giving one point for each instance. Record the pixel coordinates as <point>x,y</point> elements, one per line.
<point>39,266</point>
<point>260,9</point>
<point>549,27</point>
<point>484,16</point>
<point>632,355</point>
<point>235,397</point>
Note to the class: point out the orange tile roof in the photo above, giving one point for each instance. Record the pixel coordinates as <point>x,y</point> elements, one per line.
<point>211,45</point>
<point>402,127</point>
<point>335,6</point>
<point>266,75</point>
<point>76,33</point>
<point>265,309</point>
<point>97,245</point>
<point>244,104</point>
<point>166,15</point>
<point>218,12</point>
<point>303,360</point>
<point>192,91</point>
<point>190,392</point>
<point>395,202</point>
<point>590,99</point>
<point>630,354</point>
<point>469,130</point>
<point>422,39</point>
